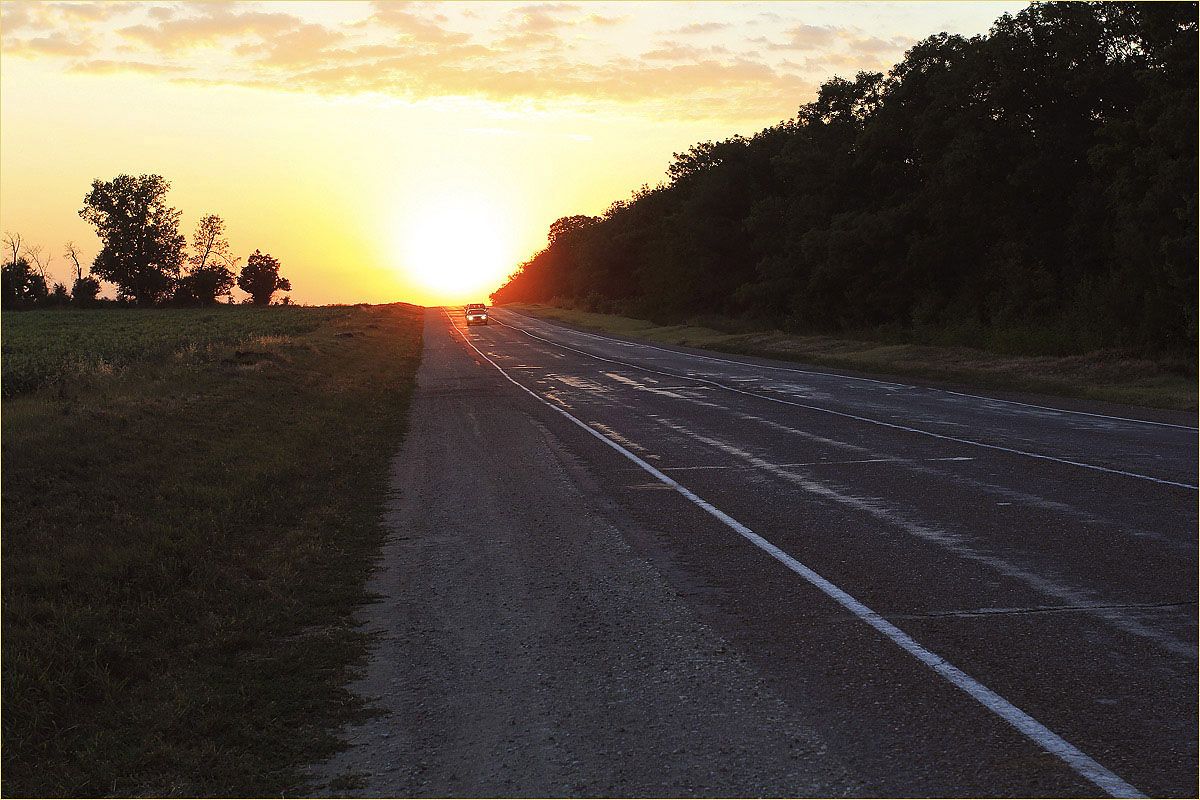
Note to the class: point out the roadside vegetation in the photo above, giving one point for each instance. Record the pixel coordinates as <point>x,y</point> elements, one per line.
<point>935,354</point>
<point>1036,185</point>
<point>191,505</point>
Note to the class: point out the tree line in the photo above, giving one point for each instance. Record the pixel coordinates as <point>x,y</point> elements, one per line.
<point>143,254</point>
<point>1041,176</point>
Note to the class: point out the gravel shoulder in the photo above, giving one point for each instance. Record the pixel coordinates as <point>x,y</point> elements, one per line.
<point>524,648</point>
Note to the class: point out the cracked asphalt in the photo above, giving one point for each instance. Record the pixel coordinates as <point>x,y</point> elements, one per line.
<point>591,583</point>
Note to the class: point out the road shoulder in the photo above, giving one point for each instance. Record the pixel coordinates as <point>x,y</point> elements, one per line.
<point>524,648</point>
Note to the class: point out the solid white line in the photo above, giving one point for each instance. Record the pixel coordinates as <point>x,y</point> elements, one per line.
<point>1083,765</point>
<point>855,377</point>
<point>1014,451</point>
<point>833,463</point>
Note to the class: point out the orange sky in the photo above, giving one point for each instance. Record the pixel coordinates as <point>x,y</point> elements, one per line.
<point>403,151</point>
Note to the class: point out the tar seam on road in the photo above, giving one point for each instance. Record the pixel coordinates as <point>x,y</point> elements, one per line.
<point>863,380</point>
<point>1081,763</point>
<point>893,425</point>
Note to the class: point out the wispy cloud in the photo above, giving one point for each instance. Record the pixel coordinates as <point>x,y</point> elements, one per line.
<point>551,52</point>
<point>702,27</point>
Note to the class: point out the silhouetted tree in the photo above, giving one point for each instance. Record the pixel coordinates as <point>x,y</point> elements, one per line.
<point>1042,176</point>
<point>13,243</point>
<point>85,291</point>
<point>59,296</point>
<point>22,279</point>
<point>142,247</point>
<point>211,264</point>
<point>72,254</point>
<point>260,278</point>
<point>20,285</point>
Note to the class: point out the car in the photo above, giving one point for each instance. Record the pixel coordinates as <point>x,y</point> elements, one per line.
<point>477,315</point>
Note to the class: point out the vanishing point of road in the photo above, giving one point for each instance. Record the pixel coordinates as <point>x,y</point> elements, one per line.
<point>621,569</point>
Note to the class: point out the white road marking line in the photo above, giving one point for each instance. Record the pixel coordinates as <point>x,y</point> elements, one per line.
<point>1036,501</point>
<point>616,437</point>
<point>1082,764</point>
<point>857,378</point>
<point>893,425</point>
<point>959,545</point>
<point>1183,543</point>
<point>833,463</point>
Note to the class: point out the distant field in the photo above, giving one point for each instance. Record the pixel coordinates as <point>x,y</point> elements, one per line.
<point>1106,376</point>
<point>51,347</point>
<point>191,503</point>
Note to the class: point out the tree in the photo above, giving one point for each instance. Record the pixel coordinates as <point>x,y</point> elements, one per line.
<point>260,278</point>
<point>142,247</point>
<point>22,279</point>
<point>72,253</point>
<point>59,296</point>
<point>13,243</point>
<point>1042,176</point>
<point>39,261</point>
<point>211,264</point>
<point>20,285</point>
<point>85,291</point>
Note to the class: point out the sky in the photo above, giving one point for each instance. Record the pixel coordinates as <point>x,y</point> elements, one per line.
<point>404,151</point>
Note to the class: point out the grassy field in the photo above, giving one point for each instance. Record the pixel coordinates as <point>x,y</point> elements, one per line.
<point>191,504</point>
<point>1106,376</point>
<point>59,347</point>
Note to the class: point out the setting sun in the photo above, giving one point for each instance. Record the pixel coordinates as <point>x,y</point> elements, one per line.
<point>456,248</point>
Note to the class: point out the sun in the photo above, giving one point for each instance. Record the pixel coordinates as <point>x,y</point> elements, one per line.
<point>457,248</point>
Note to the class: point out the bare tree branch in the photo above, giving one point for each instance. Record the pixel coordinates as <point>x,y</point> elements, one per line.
<point>12,241</point>
<point>72,252</point>
<point>39,259</point>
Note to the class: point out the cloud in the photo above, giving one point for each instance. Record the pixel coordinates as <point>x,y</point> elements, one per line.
<point>53,45</point>
<point>91,12</point>
<point>702,27</point>
<point>808,37</point>
<point>212,26</point>
<point>877,46</point>
<point>102,66</point>
<point>407,20</point>
<point>544,17</point>
<point>550,53</point>
<point>674,51</point>
<point>297,46</point>
<point>597,19</point>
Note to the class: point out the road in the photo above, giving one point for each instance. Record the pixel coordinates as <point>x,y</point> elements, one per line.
<point>619,569</point>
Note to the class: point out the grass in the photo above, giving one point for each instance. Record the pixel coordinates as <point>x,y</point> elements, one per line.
<point>186,535</point>
<point>1106,375</point>
<point>55,347</point>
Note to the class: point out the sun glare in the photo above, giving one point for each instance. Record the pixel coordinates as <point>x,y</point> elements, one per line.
<point>457,249</point>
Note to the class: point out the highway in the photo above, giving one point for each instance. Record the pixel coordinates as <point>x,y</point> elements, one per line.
<point>896,589</point>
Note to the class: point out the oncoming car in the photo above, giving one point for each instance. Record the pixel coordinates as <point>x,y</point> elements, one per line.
<point>477,314</point>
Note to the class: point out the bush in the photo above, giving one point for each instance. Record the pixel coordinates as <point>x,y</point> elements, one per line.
<point>85,291</point>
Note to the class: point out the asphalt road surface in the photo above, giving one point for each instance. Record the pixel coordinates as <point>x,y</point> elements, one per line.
<point>619,569</point>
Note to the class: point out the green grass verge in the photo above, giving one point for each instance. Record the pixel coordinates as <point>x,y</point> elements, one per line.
<point>1106,376</point>
<point>185,539</point>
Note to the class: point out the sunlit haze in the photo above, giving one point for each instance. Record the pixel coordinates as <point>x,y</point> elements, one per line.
<point>403,151</point>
